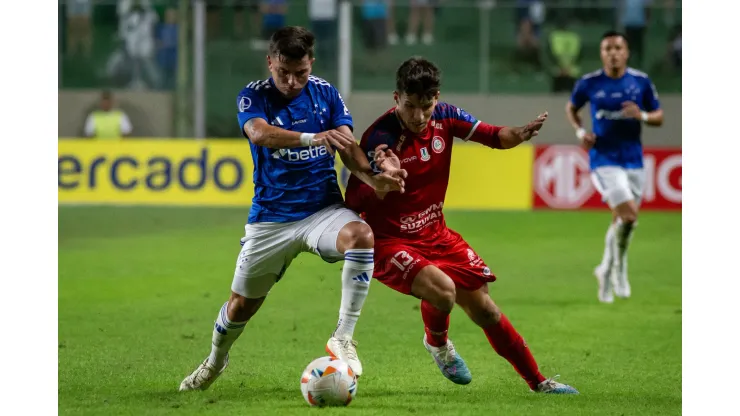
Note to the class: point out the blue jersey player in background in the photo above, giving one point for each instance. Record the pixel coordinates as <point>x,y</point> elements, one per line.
<point>295,122</point>
<point>622,100</point>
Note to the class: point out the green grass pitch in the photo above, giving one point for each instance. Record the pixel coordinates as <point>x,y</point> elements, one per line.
<point>139,289</point>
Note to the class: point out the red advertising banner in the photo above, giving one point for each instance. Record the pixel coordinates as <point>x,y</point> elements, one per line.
<point>562,179</point>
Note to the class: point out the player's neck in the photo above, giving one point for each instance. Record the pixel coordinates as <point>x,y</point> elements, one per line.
<point>615,73</point>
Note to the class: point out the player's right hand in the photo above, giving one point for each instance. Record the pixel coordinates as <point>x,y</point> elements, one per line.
<point>334,139</point>
<point>588,140</point>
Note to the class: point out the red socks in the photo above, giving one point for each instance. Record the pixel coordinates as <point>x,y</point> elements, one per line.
<point>436,324</point>
<point>509,344</point>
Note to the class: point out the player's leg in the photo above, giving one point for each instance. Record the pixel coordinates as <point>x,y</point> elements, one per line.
<point>340,234</point>
<point>407,270</point>
<point>613,184</point>
<point>266,253</point>
<point>428,12</point>
<point>626,222</point>
<point>414,21</point>
<point>437,293</point>
<point>505,340</point>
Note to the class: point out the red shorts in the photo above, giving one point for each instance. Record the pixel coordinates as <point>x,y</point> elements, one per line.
<point>397,262</point>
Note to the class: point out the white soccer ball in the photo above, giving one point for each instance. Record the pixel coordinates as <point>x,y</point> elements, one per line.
<point>328,381</point>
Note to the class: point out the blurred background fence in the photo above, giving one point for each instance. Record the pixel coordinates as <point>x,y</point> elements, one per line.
<point>149,52</point>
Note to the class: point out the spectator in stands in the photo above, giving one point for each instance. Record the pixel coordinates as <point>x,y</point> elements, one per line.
<point>241,7</point>
<point>136,28</point>
<point>213,18</point>
<point>167,48</point>
<point>107,123</point>
<point>79,32</point>
<point>675,47</point>
<point>390,23</point>
<point>670,64</point>
<point>323,15</point>
<point>273,18</point>
<point>532,10</point>
<point>527,50</point>
<point>564,51</point>
<point>633,17</point>
<point>374,31</point>
<point>421,10</point>
<point>215,8</point>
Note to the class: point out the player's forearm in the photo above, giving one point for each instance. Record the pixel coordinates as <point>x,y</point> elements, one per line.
<point>511,137</point>
<point>653,118</point>
<point>356,162</point>
<point>263,134</point>
<point>571,114</point>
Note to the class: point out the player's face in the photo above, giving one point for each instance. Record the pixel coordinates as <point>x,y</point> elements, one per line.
<point>290,76</point>
<point>614,53</point>
<point>415,112</point>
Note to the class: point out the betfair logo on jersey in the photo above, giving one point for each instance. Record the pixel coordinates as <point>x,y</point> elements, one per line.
<point>610,115</point>
<point>295,155</point>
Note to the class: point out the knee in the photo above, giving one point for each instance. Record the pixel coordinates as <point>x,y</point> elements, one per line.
<point>626,214</point>
<point>444,296</point>
<point>628,218</point>
<point>357,235</point>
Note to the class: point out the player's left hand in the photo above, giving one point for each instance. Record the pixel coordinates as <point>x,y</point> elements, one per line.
<point>631,110</point>
<point>533,128</point>
<point>385,159</point>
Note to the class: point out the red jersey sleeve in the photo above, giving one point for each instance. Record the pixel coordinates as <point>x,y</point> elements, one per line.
<point>465,126</point>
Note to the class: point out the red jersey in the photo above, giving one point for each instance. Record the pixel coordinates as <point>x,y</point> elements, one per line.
<point>426,156</point>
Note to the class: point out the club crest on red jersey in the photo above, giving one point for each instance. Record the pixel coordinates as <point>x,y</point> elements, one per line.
<point>438,144</point>
<point>425,154</point>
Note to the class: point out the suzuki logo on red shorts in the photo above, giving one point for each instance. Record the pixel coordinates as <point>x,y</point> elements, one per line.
<point>562,177</point>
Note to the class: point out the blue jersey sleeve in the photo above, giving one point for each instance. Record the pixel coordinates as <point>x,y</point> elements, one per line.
<point>340,115</point>
<point>650,98</point>
<point>249,105</point>
<point>579,97</point>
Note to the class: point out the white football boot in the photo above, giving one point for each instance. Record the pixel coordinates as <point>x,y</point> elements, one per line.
<point>620,282</point>
<point>604,276</point>
<point>203,376</point>
<point>550,386</point>
<point>345,348</point>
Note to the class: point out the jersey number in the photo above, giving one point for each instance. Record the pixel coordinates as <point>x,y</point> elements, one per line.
<point>401,260</point>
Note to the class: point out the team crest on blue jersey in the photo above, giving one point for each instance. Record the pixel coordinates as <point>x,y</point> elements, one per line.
<point>244,104</point>
<point>425,154</point>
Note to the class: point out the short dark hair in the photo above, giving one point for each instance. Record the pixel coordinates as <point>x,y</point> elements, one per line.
<point>292,43</point>
<point>614,33</point>
<point>418,76</point>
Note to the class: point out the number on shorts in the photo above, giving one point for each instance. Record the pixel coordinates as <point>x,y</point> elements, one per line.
<point>402,259</point>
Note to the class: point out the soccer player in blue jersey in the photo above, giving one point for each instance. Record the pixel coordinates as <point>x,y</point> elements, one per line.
<point>622,100</point>
<point>294,122</point>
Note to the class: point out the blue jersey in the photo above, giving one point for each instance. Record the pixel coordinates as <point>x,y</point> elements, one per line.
<point>292,184</point>
<point>618,140</point>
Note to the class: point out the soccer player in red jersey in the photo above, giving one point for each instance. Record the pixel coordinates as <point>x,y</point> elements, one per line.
<point>416,253</point>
